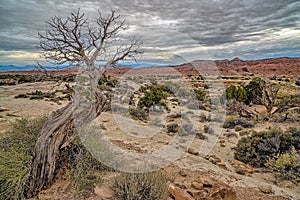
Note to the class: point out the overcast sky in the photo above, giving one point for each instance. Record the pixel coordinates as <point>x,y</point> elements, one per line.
<point>172,30</point>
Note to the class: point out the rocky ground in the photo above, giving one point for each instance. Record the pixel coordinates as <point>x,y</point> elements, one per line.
<point>217,175</point>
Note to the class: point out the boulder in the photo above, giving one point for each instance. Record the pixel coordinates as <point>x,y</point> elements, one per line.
<point>267,189</point>
<point>104,193</point>
<point>193,151</point>
<point>178,193</point>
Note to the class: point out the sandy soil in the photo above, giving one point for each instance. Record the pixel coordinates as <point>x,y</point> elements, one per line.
<point>133,141</point>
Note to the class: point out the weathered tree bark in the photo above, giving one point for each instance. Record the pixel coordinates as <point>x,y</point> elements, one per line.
<point>55,134</point>
<point>74,40</point>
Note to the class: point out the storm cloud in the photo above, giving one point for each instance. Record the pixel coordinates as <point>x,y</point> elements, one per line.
<point>248,29</point>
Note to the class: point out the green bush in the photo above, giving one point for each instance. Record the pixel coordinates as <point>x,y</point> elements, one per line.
<point>260,146</point>
<point>236,92</point>
<point>254,90</point>
<point>286,165</point>
<point>232,122</point>
<point>146,186</point>
<point>200,95</point>
<point>15,156</point>
<point>153,94</point>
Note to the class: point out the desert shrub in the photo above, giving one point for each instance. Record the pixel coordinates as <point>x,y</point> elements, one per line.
<point>146,186</point>
<point>260,146</point>
<point>21,96</point>
<point>83,168</point>
<point>286,165</point>
<point>200,95</point>
<point>232,122</point>
<point>153,94</point>
<point>107,81</point>
<point>25,79</point>
<point>236,92</point>
<point>254,90</point>
<point>173,128</point>
<point>15,156</point>
<point>138,113</point>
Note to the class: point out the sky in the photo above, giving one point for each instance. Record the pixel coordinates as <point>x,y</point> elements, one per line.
<point>172,31</point>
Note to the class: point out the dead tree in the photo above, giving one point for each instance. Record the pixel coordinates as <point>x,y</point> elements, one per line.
<point>270,93</point>
<point>75,40</point>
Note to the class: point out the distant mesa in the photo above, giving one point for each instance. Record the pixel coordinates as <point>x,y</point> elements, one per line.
<point>236,59</point>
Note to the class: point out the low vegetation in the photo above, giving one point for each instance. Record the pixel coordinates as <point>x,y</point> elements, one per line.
<point>286,165</point>
<point>15,153</point>
<point>146,186</point>
<point>275,149</point>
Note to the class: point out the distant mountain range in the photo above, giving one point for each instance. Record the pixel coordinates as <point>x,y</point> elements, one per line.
<point>236,66</point>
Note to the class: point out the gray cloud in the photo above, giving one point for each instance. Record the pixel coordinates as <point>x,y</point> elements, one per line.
<point>220,25</point>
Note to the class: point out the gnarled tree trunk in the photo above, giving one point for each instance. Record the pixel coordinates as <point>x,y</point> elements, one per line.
<point>54,135</point>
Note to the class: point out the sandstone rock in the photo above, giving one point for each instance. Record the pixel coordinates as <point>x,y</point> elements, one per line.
<point>104,193</point>
<point>221,165</point>
<point>193,151</point>
<point>197,194</point>
<point>224,193</point>
<point>105,120</point>
<point>3,109</point>
<point>242,168</point>
<point>178,193</point>
<point>267,189</point>
<point>182,173</point>
<point>222,141</point>
<point>207,182</point>
<point>197,185</point>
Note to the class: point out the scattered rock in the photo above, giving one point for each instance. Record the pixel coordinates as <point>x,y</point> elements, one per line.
<point>3,109</point>
<point>242,168</point>
<point>267,189</point>
<point>223,193</point>
<point>178,193</point>
<point>182,173</point>
<point>197,194</point>
<point>221,165</point>
<point>222,141</point>
<point>207,182</point>
<point>104,193</point>
<point>222,145</point>
<point>197,185</point>
<point>193,151</point>
<point>105,120</point>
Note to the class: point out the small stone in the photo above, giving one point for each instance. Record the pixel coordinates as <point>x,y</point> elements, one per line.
<point>197,194</point>
<point>182,173</point>
<point>267,189</point>
<point>104,193</point>
<point>193,151</point>
<point>171,134</point>
<point>221,165</point>
<point>222,141</point>
<point>222,145</point>
<point>207,182</point>
<point>105,120</point>
<point>197,185</point>
<point>178,193</point>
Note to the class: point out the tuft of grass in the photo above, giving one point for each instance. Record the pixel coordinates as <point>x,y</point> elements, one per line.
<point>146,186</point>
<point>15,156</point>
